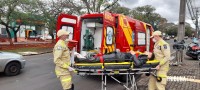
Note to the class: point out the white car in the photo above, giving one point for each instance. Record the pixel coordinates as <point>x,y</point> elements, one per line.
<point>186,37</point>
<point>11,63</point>
<point>167,37</point>
<point>46,37</point>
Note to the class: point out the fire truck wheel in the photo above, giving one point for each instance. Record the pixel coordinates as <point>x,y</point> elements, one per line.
<point>159,79</point>
<point>147,74</point>
<point>198,57</point>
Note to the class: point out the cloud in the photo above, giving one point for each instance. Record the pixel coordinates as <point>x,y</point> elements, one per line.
<point>168,9</point>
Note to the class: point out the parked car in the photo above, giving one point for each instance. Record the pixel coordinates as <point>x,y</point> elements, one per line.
<point>193,50</point>
<point>186,37</point>
<point>48,37</point>
<point>11,63</point>
<point>166,38</point>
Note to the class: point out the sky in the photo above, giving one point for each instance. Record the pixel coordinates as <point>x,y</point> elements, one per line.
<point>168,9</point>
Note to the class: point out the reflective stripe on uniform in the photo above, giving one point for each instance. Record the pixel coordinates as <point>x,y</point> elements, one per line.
<point>65,65</point>
<point>162,62</point>
<point>67,79</point>
<point>57,72</point>
<point>162,43</point>
<point>162,75</point>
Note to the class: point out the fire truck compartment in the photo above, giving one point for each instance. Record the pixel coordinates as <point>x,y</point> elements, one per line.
<point>91,35</point>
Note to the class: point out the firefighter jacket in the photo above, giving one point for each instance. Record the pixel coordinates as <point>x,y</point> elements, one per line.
<point>162,53</point>
<point>61,58</point>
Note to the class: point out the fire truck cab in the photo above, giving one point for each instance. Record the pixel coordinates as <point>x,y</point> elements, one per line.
<point>106,32</point>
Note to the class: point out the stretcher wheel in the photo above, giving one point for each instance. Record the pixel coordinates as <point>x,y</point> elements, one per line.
<point>147,74</point>
<point>159,79</point>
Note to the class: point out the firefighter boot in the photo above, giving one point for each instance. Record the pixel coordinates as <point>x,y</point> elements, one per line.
<point>72,88</point>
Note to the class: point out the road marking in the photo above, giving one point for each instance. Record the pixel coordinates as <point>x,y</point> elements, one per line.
<point>183,79</point>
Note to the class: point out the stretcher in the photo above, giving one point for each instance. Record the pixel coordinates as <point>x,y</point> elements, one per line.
<point>121,68</point>
<point>130,75</point>
<point>120,65</point>
<point>109,69</point>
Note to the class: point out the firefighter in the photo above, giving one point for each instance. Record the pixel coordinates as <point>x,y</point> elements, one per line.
<point>162,53</point>
<point>62,61</point>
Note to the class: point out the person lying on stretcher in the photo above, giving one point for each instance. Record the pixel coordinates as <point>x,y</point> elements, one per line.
<point>116,57</point>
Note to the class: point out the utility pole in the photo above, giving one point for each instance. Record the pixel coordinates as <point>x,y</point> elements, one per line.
<point>197,23</point>
<point>197,31</point>
<point>181,30</point>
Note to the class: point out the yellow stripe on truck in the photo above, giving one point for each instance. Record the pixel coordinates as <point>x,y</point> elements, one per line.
<point>145,26</point>
<point>104,43</point>
<point>127,30</point>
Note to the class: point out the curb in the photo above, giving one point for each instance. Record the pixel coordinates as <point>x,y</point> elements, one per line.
<point>31,54</point>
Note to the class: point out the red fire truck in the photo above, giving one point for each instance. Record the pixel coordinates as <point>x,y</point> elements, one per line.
<point>106,32</point>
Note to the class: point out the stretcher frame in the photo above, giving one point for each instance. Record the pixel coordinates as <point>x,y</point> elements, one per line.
<point>130,72</point>
<point>130,79</point>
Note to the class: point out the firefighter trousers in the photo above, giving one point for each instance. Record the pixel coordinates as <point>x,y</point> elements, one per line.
<point>155,85</point>
<point>66,81</point>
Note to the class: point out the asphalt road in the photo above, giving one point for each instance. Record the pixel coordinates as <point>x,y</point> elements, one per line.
<point>38,74</point>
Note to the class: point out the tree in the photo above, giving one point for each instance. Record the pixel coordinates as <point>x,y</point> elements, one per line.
<point>165,27</point>
<point>98,5</point>
<point>172,31</point>
<point>148,15</point>
<point>50,10</point>
<point>188,30</point>
<point>10,13</point>
<point>117,8</point>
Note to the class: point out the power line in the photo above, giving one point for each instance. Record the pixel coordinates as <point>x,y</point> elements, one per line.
<point>191,6</point>
<point>188,17</point>
<point>189,9</point>
<point>196,17</point>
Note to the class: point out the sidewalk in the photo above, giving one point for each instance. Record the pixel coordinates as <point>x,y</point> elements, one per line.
<point>185,77</point>
<point>28,47</point>
<point>23,41</point>
<point>43,51</point>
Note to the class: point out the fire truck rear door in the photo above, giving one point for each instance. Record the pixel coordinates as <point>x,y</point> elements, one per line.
<point>108,33</point>
<point>68,23</point>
